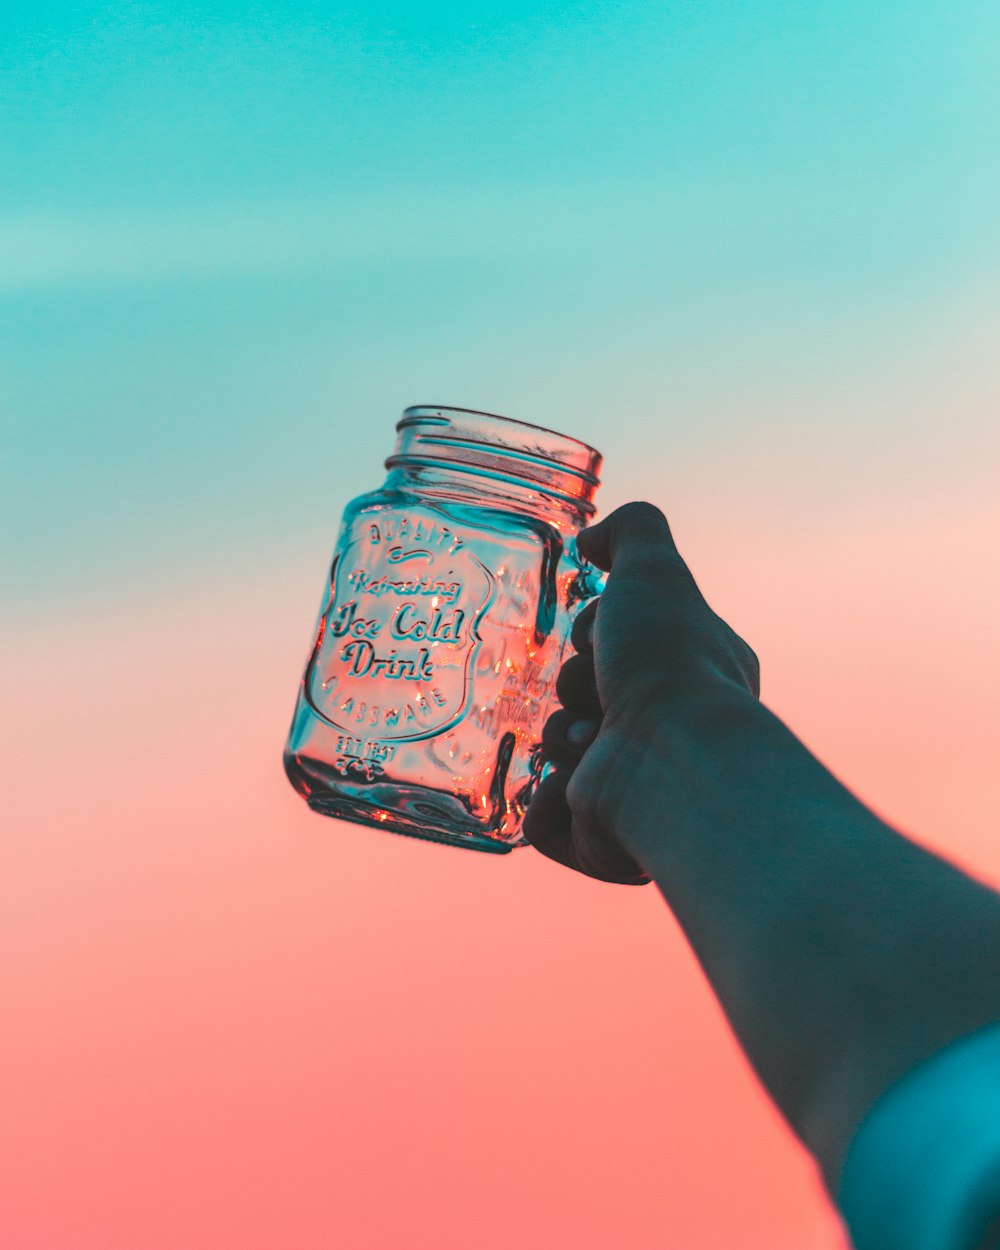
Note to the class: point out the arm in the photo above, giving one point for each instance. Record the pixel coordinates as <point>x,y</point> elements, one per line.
<point>842,953</point>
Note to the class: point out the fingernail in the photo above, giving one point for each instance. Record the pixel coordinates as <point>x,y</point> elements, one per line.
<point>581,733</point>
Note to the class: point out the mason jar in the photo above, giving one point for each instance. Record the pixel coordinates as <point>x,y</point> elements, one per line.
<point>442,629</point>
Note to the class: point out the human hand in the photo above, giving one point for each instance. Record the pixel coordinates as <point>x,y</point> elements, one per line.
<point>648,649</point>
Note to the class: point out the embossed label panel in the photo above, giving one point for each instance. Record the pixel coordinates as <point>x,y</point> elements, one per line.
<point>394,655</point>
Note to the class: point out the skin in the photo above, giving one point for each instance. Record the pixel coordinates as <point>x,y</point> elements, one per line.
<point>842,953</point>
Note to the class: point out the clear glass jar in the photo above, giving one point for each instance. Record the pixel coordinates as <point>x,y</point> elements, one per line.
<point>446,618</point>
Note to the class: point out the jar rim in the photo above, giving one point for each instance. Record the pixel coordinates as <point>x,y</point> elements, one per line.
<point>485,445</point>
<point>420,412</point>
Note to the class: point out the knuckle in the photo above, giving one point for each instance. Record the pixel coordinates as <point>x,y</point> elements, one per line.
<point>556,725</point>
<point>752,667</point>
<point>642,510</point>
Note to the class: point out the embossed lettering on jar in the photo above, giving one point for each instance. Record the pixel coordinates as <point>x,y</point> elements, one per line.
<point>450,599</point>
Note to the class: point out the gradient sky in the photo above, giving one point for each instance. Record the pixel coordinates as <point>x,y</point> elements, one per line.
<point>751,252</point>
<point>232,247</point>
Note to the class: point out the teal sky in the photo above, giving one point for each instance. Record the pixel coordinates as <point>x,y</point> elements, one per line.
<point>236,240</point>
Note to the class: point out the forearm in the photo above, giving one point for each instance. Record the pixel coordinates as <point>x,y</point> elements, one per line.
<point>841,952</point>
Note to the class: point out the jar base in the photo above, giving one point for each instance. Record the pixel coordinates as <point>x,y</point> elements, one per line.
<point>361,813</point>
<point>416,811</point>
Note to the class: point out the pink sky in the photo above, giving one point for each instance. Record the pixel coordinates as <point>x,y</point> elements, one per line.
<point>233,1023</point>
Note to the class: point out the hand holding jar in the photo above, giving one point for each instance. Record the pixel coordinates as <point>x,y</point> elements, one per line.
<point>650,651</point>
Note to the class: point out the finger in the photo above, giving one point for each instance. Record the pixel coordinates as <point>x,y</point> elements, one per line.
<point>631,535</point>
<point>565,736</point>
<point>576,687</point>
<point>548,825</point>
<point>582,634</point>
<point>605,862</point>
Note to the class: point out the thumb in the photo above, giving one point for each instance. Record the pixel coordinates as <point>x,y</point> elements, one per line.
<point>630,540</point>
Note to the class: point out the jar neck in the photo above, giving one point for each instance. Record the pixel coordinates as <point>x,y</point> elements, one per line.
<point>478,458</point>
<point>477,488</point>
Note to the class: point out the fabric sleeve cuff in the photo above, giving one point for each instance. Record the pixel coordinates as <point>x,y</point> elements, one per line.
<point>923,1169</point>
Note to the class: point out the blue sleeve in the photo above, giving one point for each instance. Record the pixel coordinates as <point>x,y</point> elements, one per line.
<point>923,1169</point>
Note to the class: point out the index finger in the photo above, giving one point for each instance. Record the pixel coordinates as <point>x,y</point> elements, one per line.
<point>635,532</point>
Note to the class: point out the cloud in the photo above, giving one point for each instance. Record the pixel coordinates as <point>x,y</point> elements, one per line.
<point>45,250</point>
<point>802,231</point>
